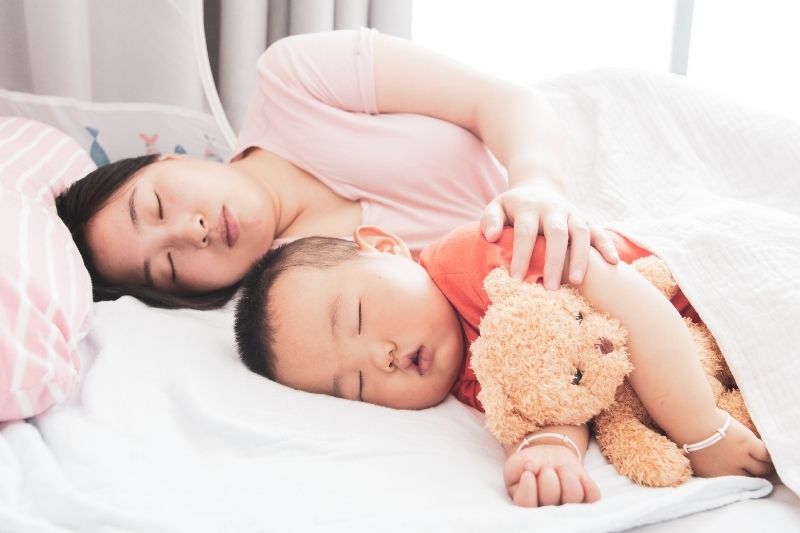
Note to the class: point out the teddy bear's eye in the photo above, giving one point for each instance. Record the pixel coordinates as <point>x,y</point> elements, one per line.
<point>579,316</point>
<point>576,376</point>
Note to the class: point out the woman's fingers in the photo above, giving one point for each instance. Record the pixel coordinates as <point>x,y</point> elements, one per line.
<point>526,228</point>
<point>493,220</point>
<point>552,216</point>
<point>601,240</point>
<point>579,238</point>
<point>556,234</point>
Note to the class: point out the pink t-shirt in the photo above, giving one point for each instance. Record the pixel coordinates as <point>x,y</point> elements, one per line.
<point>315,106</point>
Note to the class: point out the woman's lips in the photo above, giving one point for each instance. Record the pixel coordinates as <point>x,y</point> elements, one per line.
<point>232,229</point>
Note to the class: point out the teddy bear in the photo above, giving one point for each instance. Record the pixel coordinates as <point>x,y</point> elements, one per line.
<point>548,358</point>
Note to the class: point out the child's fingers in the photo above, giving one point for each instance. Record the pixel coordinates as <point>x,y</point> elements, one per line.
<point>526,493</point>
<point>571,488</point>
<point>590,489</point>
<point>549,486</point>
<point>758,468</point>
<point>760,453</point>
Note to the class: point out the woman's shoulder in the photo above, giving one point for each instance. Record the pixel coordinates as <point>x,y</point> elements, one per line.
<point>298,47</point>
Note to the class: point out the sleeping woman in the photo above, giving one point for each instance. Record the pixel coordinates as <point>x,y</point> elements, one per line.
<point>345,128</point>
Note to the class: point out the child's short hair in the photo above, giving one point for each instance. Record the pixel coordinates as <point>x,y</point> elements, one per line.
<point>253,327</point>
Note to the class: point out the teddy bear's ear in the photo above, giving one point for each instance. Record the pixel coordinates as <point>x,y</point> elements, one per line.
<point>499,285</point>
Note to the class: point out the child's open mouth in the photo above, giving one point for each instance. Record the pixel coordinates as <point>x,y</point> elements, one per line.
<point>423,360</point>
<point>419,360</point>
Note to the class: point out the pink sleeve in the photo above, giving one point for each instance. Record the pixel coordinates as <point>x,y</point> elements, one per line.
<point>334,68</point>
<point>301,78</point>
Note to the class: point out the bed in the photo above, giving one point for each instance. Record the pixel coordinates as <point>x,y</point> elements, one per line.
<point>166,431</point>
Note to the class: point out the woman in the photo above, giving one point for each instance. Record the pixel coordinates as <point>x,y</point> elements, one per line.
<point>345,128</point>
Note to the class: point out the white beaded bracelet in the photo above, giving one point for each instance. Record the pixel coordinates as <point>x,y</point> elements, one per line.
<point>560,436</point>
<point>713,439</point>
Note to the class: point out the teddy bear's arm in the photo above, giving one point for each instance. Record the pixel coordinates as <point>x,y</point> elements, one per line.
<point>667,376</point>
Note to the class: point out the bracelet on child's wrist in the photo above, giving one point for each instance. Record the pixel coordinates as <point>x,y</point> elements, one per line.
<point>710,441</point>
<point>565,440</point>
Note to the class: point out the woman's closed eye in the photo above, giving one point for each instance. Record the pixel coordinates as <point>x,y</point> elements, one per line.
<point>160,207</point>
<point>173,272</point>
<point>359,317</point>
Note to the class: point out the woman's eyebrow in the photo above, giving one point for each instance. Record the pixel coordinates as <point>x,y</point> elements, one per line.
<point>132,209</point>
<point>148,275</point>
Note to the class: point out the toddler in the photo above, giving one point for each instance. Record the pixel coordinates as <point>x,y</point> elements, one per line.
<point>361,320</point>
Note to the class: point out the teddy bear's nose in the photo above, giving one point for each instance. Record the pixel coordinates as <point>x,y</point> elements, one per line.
<point>604,345</point>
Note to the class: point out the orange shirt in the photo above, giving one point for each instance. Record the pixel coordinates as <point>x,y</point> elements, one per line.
<point>458,265</point>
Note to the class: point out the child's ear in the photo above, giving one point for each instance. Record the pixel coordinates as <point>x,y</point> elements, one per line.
<point>374,238</point>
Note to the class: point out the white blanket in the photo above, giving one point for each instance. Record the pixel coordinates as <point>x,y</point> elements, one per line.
<point>171,433</point>
<point>714,189</point>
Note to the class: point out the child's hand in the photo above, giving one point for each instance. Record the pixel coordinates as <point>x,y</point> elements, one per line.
<point>548,474</point>
<point>740,452</point>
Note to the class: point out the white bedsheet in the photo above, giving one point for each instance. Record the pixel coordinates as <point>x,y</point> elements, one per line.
<point>171,433</point>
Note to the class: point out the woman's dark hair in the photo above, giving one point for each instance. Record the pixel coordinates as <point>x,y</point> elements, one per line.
<point>84,198</point>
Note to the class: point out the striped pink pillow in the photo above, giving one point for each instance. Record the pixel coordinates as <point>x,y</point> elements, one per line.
<point>44,288</point>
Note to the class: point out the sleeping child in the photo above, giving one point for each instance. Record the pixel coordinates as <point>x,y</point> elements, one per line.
<point>393,332</point>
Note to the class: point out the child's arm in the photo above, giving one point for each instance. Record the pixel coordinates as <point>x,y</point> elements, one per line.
<point>548,472</point>
<point>667,375</point>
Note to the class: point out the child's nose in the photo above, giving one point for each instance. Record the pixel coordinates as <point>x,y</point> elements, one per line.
<point>383,356</point>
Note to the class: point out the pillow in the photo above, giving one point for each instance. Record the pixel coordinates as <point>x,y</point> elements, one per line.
<point>44,288</point>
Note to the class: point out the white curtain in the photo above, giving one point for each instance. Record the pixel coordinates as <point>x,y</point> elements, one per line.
<point>239,31</point>
<point>126,77</point>
<point>123,77</point>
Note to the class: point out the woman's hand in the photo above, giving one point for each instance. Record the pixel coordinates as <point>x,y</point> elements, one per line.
<point>541,209</point>
<point>548,474</point>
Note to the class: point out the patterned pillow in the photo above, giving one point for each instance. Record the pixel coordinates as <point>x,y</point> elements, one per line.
<point>45,291</point>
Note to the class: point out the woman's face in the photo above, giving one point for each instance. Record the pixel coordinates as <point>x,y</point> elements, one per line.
<point>182,226</point>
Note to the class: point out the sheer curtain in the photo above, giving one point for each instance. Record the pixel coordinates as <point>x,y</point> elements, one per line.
<point>121,76</point>
<point>126,77</point>
<point>239,31</point>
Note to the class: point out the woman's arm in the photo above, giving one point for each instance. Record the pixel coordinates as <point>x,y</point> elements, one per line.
<point>520,128</point>
<point>548,472</point>
<point>668,376</point>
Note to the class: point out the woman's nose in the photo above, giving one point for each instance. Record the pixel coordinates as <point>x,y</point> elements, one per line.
<point>194,232</point>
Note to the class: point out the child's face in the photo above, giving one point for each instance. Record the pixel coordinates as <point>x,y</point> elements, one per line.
<point>374,329</point>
